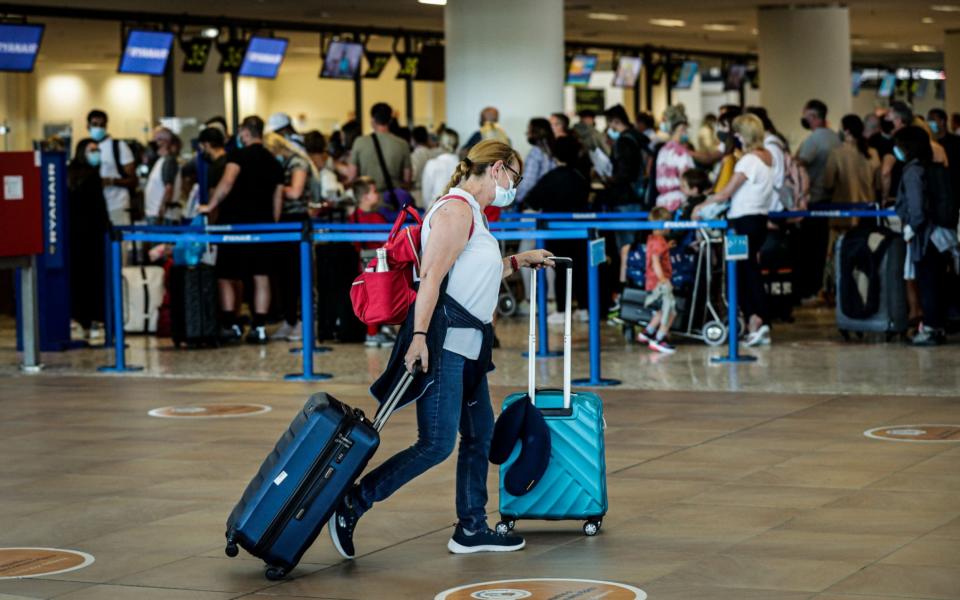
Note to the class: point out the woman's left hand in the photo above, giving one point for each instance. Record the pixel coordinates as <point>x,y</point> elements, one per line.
<point>535,259</point>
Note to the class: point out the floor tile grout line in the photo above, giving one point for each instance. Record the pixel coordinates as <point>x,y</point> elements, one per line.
<point>729,433</point>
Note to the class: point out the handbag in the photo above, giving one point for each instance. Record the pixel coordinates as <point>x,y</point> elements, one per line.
<point>385,297</point>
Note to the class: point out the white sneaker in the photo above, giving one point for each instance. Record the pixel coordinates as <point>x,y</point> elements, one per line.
<point>296,332</point>
<point>759,337</point>
<point>282,332</point>
<point>95,332</point>
<point>523,308</point>
<point>581,315</point>
<point>557,318</point>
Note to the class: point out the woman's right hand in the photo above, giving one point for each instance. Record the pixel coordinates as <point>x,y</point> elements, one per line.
<point>417,352</point>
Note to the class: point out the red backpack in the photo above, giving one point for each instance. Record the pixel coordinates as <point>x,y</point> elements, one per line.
<point>385,297</point>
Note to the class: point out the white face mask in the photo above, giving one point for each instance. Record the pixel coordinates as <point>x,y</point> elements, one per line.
<point>504,197</point>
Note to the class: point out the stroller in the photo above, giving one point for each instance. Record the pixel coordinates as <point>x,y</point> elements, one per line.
<point>698,275</point>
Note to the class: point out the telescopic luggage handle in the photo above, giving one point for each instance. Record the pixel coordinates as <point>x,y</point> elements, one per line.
<point>561,262</point>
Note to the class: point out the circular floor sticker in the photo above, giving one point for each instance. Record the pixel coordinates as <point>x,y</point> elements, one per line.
<point>929,434</point>
<point>39,562</point>
<point>544,589</point>
<point>209,411</point>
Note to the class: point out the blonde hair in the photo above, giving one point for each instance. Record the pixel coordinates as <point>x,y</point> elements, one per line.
<point>750,128</point>
<point>480,157</point>
<point>277,144</point>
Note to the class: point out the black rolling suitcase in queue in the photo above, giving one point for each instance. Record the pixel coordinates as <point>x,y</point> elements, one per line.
<point>871,292</point>
<point>193,306</point>
<point>777,274</point>
<point>301,482</point>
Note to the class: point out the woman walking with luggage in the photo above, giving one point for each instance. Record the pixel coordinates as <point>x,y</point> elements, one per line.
<point>448,336</point>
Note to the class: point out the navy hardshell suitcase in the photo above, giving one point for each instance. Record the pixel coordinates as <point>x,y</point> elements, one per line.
<point>300,484</point>
<point>574,486</point>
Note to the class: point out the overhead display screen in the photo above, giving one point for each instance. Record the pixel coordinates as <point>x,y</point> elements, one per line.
<point>263,57</point>
<point>342,60</point>
<point>19,45</point>
<point>146,52</point>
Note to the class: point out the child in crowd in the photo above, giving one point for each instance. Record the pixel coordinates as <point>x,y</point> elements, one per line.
<point>659,288</point>
<point>367,202</point>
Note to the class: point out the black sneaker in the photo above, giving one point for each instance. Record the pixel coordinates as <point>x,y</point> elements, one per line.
<point>258,335</point>
<point>231,334</point>
<point>486,540</point>
<point>341,526</point>
<point>927,336</point>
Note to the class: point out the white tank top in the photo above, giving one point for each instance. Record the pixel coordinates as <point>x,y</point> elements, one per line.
<point>474,278</point>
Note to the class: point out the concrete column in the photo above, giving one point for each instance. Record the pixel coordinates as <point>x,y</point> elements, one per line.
<point>804,54</point>
<point>506,54</point>
<point>951,65</point>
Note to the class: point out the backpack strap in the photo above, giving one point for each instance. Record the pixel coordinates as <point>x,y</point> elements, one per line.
<point>402,217</point>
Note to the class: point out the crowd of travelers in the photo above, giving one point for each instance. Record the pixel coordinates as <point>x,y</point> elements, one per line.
<point>736,165</point>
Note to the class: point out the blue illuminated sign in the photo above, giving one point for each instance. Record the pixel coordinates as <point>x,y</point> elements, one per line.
<point>146,52</point>
<point>598,252</point>
<point>19,45</point>
<point>737,247</point>
<point>263,57</point>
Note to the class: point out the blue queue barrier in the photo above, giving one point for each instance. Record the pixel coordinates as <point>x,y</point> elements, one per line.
<point>497,226</point>
<point>574,216</point>
<point>831,213</point>
<point>238,237</point>
<point>593,282</point>
<point>543,350</point>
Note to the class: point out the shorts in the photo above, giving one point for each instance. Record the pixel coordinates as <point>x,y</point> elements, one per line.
<point>239,261</point>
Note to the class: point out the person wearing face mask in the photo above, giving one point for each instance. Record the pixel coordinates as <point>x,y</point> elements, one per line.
<point>729,151</point>
<point>673,159</point>
<point>211,142</point>
<point>937,121</point>
<point>250,191</point>
<point>448,336</point>
<point>930,242</point>
<point>853,167</point>
<point>898,116</point>
<point>117,168</point>
<point>158,193</point>
<point>298,174</point>
<point>88,224</point>
<point>750,192</point>
<point>632,166</point>
<point>814,233</point>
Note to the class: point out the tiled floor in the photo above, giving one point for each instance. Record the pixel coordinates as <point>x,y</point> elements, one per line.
<point>726,483</point>
<point>739,496</point>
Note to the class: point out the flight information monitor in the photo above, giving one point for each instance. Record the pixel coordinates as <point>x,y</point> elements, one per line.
<point>146,52</point>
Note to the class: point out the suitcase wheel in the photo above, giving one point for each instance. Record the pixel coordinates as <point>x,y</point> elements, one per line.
<point>231,550</point>
<point>592,528</point>
<point>845,334</point>
<point>275,573</point>
<point>714,333</point>
<point>505,527</point>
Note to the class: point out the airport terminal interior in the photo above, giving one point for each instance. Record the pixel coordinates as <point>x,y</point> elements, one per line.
<point>681,320</point>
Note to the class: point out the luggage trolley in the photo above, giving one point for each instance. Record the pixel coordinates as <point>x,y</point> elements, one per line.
<point>698,288</point>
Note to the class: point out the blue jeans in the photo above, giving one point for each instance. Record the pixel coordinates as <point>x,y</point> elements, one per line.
<point>447,406</point>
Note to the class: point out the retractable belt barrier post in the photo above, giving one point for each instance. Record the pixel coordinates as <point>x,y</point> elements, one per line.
<point>736,248</point>
<point>116,303</point>
<point>237,234</point>
<point>593,280</point>
<point>306,311</point>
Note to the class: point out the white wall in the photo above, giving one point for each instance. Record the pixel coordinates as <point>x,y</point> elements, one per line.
<point>803,53</point>
<point>66,97</point>
<point>507,54</point>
